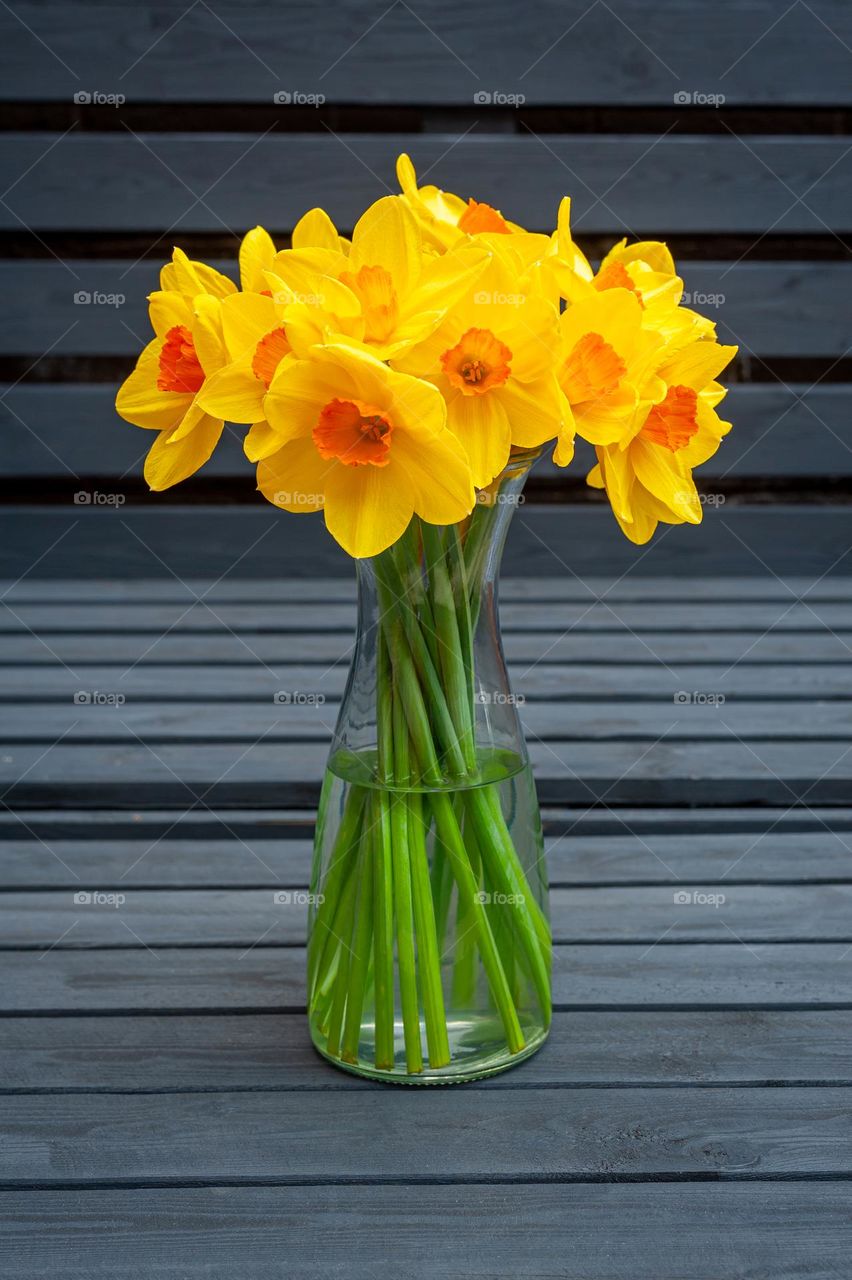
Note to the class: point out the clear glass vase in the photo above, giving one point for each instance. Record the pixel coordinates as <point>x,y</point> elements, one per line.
<point>429,952</point>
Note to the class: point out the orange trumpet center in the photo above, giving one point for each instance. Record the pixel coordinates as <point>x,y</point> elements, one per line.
<point>180,369</point>
<point>674,421</point>
<point>481,217</point>
<point>593,369</point>
<point>616,276</point>
<point>353,433</point>
<point>477,363</point>
<point>268,354</point>
<point>373,286</point>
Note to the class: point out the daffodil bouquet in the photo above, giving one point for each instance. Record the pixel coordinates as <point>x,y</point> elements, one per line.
<point>403,382</point>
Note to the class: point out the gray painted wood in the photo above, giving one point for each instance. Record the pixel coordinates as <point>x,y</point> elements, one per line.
<point>602,721</point>
<point>438,54</point>
<point>262,542</point>
<point>154,861</point>
<point>686,976</point>
<point>146,183</point>
<point>637,1232</point>
<point>90,916</point>
<point>769,309</point>
<point>555,1133</point>
<point>270,1051</point>
<point>73,430</point>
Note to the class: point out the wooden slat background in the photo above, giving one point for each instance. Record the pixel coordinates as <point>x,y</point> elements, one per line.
<point>689,1115</point>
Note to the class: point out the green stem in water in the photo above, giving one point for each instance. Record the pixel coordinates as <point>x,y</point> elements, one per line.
<point>380,837</point>
<point>452,651</point>
<point>360,959</point>
<point>343,855</point>
<point>404,911</point>
<point>341,984</point>
<point>428,952</point>
<point>445,821</point>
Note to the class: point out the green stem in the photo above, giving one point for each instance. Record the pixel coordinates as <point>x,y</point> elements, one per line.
<point>343,855</point>
<point>451,649</point>
<point>400,842</point>
<point>341,984</point>
<point>380,838</point>
<point>446,823</point>
<point>428,953</point>
<point>360,960</point>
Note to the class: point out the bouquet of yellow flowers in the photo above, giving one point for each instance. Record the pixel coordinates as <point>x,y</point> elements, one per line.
<point>403,382</point>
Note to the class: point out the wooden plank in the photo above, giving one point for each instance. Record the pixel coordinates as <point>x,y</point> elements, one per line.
<point>262,542</point>
<point>775,309</point>
<point>777,433</point>
<point>146,183</point>
<point>558,1133</point>
<point>271,1051</point>
<point>91,916</point>
<point>566,587</point>
<point>575,773</point>
<point>181,980</point>
<point>599,721</point>
<point>575,857</point>
<point>438,55</point>
<point>295,616</point>
<point>649,680</point>
<point>789,1231</point>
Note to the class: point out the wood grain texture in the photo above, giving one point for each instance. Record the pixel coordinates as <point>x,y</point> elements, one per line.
<point>437,53</point>
<point>221,182</point>
<point>625,1232</point>
<point>768,309</point>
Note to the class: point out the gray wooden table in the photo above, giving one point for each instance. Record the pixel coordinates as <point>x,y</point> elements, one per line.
<point>165,1114</point>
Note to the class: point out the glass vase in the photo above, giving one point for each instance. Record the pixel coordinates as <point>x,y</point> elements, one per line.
<point>429,950</point>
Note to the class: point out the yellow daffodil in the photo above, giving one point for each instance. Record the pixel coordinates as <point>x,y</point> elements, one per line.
<point>382,291</point>
<point>648,475</point>
<point>363,442</point>
<point>493,360</point>
<point>256,341</point>
<point>607,366</point>
<point>162,392</point>
<point>257,252</point>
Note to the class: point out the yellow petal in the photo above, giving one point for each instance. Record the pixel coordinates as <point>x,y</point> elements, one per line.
<point>367,508</point>
<point>387,236</point>
<point>297,394</point>
<point>294,477</point>
<point>315,230</point>
<point>233,393</point>
<point>170,461</point>
<point>666,478</point>
<point>256,253</point>
<point>261,441</point>
<point>440,474</point>
<point>537,411</point>
<point>595,479</point>
<point>246,318</point>
<point>138,400</point>
<point>481,424</point>
<point>697,365</point>
<point>167,309</point>
<point>192,277</point>
<point>207,333</point>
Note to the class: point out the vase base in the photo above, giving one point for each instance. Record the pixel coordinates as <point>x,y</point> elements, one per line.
<point>463,1069</point>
